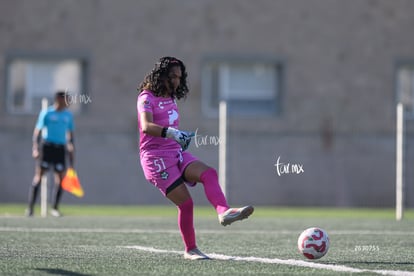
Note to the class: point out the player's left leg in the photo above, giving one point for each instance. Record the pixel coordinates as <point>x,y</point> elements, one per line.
<point>42,165</point>
<point>57,193</point>
<point>59,156</point>
<point>181,197</point>
<point>197,171</point>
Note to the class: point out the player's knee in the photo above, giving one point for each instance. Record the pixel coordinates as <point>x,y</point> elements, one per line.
<point>37,179</point>
<point>186,205</point>
<point>212,171</point>
<point>58,178</point>
<point>208,174</point>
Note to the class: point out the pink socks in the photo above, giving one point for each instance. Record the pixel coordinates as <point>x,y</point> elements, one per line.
<point>186,225</point>
<point>213,191</point>
<point>216,197</point>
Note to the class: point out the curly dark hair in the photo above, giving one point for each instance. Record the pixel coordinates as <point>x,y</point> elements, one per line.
<point>155,80</point>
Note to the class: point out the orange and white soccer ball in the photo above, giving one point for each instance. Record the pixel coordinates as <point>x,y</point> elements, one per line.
<point>313,243</point>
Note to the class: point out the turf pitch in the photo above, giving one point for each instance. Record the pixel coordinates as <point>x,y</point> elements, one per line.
<point>138,240</point>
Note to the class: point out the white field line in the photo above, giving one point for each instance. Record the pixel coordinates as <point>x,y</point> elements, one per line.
<point>291,262</point>
<point>204,231</point>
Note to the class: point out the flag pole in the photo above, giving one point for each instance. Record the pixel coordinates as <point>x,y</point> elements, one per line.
<point>399,202</point>
<point>223,146</point>
<point>43,187</point>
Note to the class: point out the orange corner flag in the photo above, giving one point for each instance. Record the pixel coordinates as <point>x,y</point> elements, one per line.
<point>71,183</point>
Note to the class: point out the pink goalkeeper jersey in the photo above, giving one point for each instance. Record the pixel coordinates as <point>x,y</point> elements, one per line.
<point>165,113</point>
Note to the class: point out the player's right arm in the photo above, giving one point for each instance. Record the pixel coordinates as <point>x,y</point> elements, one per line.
<point>36,141</point>
<point>37,132</point>
<point>148,126</point>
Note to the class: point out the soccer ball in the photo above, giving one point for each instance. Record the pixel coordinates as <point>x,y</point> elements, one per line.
<point>313,243</point>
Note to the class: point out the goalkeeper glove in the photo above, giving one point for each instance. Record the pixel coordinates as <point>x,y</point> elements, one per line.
<point>182,137</point>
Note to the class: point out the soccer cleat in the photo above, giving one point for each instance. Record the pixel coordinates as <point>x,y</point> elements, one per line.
<point>195,254</point>
<point>55,213</point>
<point>235,214</point>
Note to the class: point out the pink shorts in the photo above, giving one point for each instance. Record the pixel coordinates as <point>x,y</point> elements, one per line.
<point>165,169</point>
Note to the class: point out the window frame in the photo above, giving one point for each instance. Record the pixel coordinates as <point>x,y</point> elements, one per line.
<point>31,56</point>
<point>210,82</point>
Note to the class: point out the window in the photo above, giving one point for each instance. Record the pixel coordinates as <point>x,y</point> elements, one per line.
<point>405,88</point>
<point>29,80</point>
<point>250,87</point>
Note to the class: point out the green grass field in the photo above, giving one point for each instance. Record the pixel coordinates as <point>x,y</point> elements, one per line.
<point>142,240</point>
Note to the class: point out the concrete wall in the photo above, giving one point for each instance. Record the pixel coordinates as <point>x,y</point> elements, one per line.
<point>337,114</point>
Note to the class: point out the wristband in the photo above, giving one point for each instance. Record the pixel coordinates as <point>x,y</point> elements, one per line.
<point>164,132</point>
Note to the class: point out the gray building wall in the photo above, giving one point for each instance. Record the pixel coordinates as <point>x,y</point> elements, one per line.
<point>337,116</point>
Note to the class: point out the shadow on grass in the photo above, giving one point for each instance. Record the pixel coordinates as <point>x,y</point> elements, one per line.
<point>57,271</point>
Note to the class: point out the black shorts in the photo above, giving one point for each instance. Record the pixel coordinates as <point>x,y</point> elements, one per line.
<point>53,155</point>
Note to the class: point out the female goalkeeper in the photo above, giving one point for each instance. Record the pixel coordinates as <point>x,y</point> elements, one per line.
<point>164,160</point>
